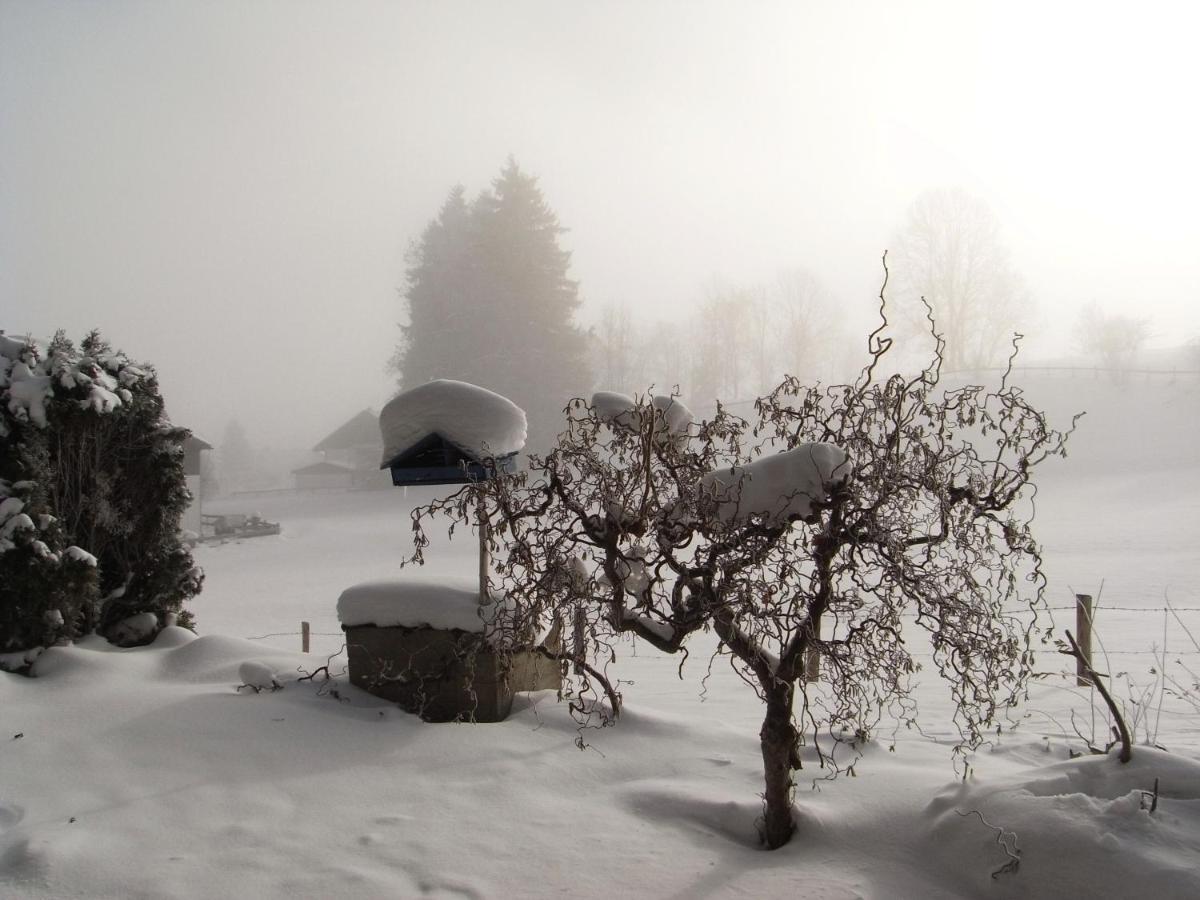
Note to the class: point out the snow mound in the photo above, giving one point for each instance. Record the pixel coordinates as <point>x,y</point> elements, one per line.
<point>82,662</point>
<point>173,636</point>
<point>1066,813</point>
<point>209,658</point>
<point>780,487</point>
<point>474,419</point>
<point>445,603</point>
<point>258,675</point>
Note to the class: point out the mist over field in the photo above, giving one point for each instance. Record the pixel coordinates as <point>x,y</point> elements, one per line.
<point>229,191</point>
<point>872,533</point>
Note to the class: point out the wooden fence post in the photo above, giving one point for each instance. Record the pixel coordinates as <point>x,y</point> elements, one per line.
<point>1083,627</point>
<point>304,633</point>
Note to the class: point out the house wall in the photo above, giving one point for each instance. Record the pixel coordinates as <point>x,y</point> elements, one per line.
<point>323,480</point>
<point>365,463</point>
<point>191,515</point>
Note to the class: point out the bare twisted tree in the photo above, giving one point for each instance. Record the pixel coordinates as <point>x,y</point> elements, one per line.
<point>809,537</point>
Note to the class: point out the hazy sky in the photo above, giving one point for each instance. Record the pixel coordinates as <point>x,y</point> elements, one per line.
<point>227,189</point>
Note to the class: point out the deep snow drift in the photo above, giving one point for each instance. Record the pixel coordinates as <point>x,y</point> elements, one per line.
<point>148,773</point>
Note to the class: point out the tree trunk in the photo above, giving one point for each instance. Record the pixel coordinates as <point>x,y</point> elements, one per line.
<point>779,740</point>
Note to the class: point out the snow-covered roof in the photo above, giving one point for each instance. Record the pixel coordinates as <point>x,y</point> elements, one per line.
<point>778,487</point>
<point>413,603</point>
<point>192,442</point>
<point>475,420</point>
<point>362,430</point>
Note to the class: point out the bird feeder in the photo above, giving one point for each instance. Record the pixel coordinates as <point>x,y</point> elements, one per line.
<point>421,644</point>
<point>452,432</point>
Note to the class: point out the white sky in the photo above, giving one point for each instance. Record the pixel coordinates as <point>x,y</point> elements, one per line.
<point>227,189</point>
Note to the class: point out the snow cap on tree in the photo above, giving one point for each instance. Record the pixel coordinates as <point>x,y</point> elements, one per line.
<point>779,487</point>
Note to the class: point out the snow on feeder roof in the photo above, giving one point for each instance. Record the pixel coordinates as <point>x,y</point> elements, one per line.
<point>441,432</point>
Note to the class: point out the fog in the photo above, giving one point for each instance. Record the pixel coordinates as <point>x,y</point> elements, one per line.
<point>227,190</point>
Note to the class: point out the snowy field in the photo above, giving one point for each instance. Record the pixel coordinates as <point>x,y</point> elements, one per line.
<point>143,773</point>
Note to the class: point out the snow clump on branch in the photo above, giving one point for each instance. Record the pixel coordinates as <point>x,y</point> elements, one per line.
<point>621,412</point>
<point>779,488</point>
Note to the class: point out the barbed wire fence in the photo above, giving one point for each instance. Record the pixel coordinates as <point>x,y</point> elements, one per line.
<point>305,633</point>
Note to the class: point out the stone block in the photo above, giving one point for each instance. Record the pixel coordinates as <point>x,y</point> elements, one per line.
<point>444,675</point>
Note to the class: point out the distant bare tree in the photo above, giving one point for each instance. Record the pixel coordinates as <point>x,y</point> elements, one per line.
<point>723,344</point>
<point>1112,340</point>
<point>810,339</point>
<point>617,348</point>
<point>761,323</point>
<point>665,352</point>
<point>236,462</point>
<point>950,252</point>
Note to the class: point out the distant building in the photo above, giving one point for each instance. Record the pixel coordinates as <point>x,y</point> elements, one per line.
<point>349,458</point>
<point>192,448</point>
<point>323,475</point>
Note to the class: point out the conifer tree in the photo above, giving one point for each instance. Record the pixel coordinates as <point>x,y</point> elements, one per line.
<point>490,302</point>
<point>439,295</point>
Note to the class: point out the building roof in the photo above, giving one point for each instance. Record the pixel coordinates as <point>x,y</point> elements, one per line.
<point>360,431</point>
<point>323,468</point>
<point>196,443</point>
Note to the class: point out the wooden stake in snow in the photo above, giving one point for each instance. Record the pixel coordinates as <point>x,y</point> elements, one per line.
<point>1083,625</point>
<point>304,634</point>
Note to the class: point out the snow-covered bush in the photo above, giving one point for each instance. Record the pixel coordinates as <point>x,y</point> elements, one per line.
<point>46,588</point>
<point>827,535</point>
<point>91,472</point>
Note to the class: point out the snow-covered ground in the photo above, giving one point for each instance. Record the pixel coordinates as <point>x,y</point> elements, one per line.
<point>144,773</point>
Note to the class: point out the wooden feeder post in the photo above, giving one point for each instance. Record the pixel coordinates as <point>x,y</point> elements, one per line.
<point>484,554</point>
<point>1083,627</point>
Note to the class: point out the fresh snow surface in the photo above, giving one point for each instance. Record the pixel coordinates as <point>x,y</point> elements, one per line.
<point>413,603</point>
<point>777,487</point>
<point>474,419</point>
<point>146,773</point>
